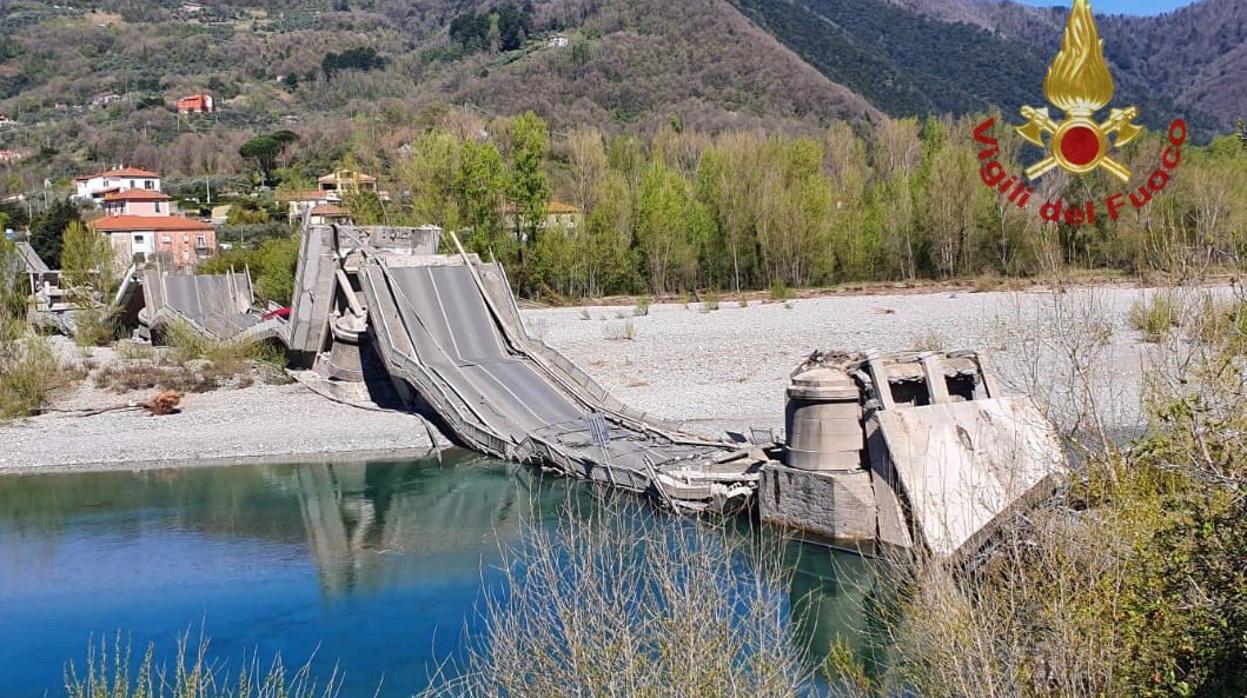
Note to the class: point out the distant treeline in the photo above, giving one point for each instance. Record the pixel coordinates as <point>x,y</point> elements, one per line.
<point>903,200</point>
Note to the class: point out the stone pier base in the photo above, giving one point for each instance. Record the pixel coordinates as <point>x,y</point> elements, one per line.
<point>834,505</point>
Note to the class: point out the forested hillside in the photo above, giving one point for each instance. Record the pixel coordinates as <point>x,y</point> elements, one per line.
<point>1195,57</point>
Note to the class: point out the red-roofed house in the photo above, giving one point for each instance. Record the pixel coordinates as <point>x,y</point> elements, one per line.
<point>196,104</point>
<point>328,214</point>
<point>138,202</point>
<point>300,202</point>
<point>94,187</point>
<point>180,240</point>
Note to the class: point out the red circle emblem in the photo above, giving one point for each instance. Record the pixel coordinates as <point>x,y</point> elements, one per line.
<point>1080,146</point>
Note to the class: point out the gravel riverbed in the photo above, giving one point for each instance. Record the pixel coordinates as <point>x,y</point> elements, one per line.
<point>712,370</point>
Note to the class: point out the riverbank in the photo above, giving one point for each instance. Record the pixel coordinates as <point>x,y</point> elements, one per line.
<point>713,370</point>
<point>261,422</point>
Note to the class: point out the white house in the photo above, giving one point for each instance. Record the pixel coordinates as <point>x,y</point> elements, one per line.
<point>558,41</point>
<point>94,187</point>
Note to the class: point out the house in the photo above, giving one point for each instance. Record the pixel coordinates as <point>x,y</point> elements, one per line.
<point>138,202</point>
<point>106,99</point>
<point>9,157</point>
<point>220,214</point>
<point>5,121</point>
<point>300,202</point>
<point>94,187</point>
<point>328,214</point>
<point>557,41</point>
<point>176,239</point>
<point>196,104</point>
<point>558,215</point>
<point>347,182</point>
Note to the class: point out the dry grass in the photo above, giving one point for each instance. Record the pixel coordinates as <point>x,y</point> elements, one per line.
<point>613,603</point>
<point>192,675</point>
<point>29,370</point>
<point>930,339</point>
<point>619,331</point>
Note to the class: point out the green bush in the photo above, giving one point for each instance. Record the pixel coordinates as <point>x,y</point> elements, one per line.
<point>1155,318</point>
<point>780,291</point>
<point>28,368</point>
<point>642,306</point>
<point>95,328</point>
<point>272,265</point>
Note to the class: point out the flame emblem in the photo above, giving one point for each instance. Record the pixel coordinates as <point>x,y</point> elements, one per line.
<point>1079,84</point>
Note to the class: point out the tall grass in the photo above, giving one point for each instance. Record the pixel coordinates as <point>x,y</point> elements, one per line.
<point>107,674</point>
<point>28,371</point>
<point>1155,318</point>
<point>189,345</point>
<point>612,603</point>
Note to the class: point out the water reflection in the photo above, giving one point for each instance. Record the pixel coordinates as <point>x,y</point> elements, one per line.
<point>380,565</point>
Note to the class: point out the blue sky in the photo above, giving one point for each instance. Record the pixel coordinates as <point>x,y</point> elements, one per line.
<point>1132,7</point>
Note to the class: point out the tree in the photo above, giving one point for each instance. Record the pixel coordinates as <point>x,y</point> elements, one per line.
<point>47,230</point>
<point>264,151</point>
<point>432,174</point>
<point>526,180</point>
<point>362,58</point>
<point>87,264</point>
<point>365,208</point>
<point>479,186</point>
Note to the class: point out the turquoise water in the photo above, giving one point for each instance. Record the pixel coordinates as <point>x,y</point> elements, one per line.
<point>376,568</point>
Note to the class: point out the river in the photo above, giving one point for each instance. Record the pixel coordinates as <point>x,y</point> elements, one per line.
<point>376,568</point>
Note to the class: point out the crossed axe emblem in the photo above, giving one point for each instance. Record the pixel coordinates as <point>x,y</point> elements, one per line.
<point>1081,155</point>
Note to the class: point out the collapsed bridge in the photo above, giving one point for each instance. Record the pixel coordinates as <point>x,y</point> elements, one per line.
<point>448,333</point>
<point>918,450</point>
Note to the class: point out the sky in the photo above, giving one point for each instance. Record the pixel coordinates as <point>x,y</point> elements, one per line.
<point>1130,7</point>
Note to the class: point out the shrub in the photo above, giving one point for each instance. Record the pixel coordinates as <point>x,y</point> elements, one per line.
<point>618,331</point>
<point>611,604</point>
<point>642,306</point>
<point>1154,318</point>
<point>28,371</point>
<point>130,350</point>
<point>780,291</point>
<point>272,266</point>
<point>95,328</point>
<point>191,676</point>
<point>928,340</point>
<point>710,301</point>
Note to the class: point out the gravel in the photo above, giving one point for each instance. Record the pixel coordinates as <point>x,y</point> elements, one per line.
<point>728,369</point>
<point>280,423</point>
<point>725,369</point>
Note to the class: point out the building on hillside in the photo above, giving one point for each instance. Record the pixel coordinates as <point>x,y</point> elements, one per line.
<point>300,202</point>
<point>558,215</point>
<point>347,182</point>
<point>196,104</point>
<point>138,202</point>
<point>11,157</point>
<point>328,214</point>
<point>220,214</point>
<point>94,187</point>
<point>557,41</point>
<point>5,121</point>
<point>106,99</point>
<point>176,240</point>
